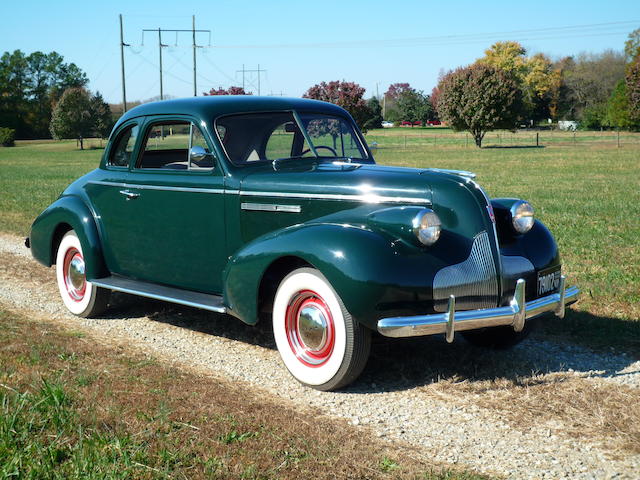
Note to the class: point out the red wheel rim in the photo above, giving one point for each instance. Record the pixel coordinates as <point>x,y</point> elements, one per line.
<point>73,273</point>
<point>309,328</point>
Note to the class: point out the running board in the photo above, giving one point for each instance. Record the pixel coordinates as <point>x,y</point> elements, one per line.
<point>204,301</point>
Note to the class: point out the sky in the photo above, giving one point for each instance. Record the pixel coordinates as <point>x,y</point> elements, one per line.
<point>298,44</point>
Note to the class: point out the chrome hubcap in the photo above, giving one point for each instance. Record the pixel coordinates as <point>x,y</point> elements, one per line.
<point>309,327</point>
<point>74,274</point>
<point>312,326</point>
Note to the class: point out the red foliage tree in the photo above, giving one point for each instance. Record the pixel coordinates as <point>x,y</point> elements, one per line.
<point>230,91</point>
<point>347,95</point>
<point>633,88</point>
<point>479,98</point>
<point>396,89</point>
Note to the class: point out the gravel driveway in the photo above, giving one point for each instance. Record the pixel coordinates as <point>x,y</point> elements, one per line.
<point>424,392</point>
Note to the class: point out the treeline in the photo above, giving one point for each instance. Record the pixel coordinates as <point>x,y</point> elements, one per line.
<point>31,86</point>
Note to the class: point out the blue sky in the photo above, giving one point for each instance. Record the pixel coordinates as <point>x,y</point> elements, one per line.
<point>373,43</point>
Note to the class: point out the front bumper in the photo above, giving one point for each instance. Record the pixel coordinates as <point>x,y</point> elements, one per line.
<point>515,314</point>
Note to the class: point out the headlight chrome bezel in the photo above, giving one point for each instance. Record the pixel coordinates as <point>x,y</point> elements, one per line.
<point>522,216</point>
<point>427,227</point>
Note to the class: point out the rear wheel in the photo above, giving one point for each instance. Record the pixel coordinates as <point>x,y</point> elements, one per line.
<point>81,297</point>
<point>320,343</point>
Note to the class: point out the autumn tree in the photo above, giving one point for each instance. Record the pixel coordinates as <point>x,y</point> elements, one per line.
<point>347,95</point>
<point>480,98</point>
<point>632,81</point>
<point>632,45</point>
<point>229,91</point>
<point>534,74</point>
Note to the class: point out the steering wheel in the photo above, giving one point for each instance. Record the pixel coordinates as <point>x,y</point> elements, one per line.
<point>335,154</point>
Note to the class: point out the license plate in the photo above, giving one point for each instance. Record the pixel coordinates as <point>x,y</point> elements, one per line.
<point>548,280</point>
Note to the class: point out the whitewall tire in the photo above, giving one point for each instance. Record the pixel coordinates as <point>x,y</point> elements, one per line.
<point>81,298</point>
<point>319,342</point>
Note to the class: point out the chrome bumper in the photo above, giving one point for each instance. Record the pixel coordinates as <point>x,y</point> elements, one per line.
<point>515,314</point>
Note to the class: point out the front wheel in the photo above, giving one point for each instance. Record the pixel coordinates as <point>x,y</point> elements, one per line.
<point>82,298</point>
<point>321,345</point>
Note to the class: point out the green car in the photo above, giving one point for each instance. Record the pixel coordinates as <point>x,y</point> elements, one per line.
<point>251,206</point>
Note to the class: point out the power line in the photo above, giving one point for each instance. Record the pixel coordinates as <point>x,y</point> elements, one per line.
<point>549,33</point>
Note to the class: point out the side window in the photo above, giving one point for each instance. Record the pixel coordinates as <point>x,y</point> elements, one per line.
<point>280,143</point>
<point>121,153</point>
<point>167,146</point>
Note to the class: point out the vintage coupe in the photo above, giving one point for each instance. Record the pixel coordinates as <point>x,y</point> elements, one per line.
<point>252,206</point>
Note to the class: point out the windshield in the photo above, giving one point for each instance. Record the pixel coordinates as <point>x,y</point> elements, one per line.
<point>265,137</point>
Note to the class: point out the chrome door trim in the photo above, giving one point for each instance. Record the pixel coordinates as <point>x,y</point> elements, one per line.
<point>160,187</point>
<point>270,207</point>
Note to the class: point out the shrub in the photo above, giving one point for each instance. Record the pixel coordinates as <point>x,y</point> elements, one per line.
<point>7,137</point>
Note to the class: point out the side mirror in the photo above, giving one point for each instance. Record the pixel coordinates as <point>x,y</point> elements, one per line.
<point>200,157</point>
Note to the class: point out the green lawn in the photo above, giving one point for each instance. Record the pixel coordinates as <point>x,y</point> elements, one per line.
<point>587,193</point>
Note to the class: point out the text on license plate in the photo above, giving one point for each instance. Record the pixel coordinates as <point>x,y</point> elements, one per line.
<point>548,281</point>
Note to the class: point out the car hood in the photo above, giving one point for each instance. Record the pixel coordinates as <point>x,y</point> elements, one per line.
<point>343,181</point>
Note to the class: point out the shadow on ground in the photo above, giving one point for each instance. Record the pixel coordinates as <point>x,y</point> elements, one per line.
<point>401,364</point>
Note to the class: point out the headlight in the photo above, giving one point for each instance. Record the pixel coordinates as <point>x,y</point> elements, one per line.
<point>426,227</point>
<point>522,216</point>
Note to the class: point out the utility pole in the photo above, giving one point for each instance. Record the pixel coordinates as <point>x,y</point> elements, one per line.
<point>160,45</point>
<point>258,71</point>
<point>124,88</point>
<point>193,31</point>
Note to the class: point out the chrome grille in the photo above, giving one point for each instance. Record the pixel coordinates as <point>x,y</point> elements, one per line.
<point>473,282</point>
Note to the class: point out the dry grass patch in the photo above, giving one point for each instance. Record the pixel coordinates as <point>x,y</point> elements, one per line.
<point>69,406</point>
<point>595,411</point>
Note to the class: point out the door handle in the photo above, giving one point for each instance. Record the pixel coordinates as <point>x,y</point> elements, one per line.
<point>129,195</point>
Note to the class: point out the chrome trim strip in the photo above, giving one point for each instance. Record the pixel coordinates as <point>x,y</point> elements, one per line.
<point>462,173</point>
<point>157,296</point>
<point>160,187</point>
<point>514,315</point>
<point>270,207</point>
<point>368,198</point>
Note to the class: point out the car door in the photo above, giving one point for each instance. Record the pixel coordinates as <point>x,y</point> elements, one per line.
<point>163,221</point>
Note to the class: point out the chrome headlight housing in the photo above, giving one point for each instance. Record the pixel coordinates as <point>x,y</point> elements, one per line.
<point>426,227</point>
<point>522,216</point>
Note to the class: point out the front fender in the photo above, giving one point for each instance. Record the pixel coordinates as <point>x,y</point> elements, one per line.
<point>371,271</point>
<point>71,211</point>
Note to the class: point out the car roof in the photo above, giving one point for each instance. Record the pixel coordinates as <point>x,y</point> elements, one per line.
<point>216,105</point>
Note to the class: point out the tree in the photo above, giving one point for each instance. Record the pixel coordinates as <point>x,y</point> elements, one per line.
<point>618,107</point>
<point>73,116</point>
<point>414,106</point>
<point>589,81</point>
<point>347,95</point>
<point>30,86</point>
<point>534,74</point>
<point>374,111</point>
<point>102,118</point>
<point>230,91</point>
<point>632,81</point>
<point>479,98</point>
<point>632,45</point>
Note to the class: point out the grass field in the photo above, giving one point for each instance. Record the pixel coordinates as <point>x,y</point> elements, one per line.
<point>587,193</point>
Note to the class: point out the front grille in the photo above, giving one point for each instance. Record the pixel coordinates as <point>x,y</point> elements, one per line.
<point>473,282</point>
